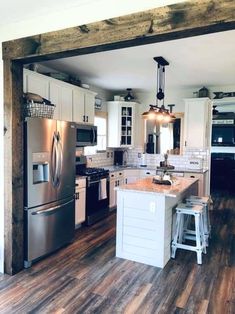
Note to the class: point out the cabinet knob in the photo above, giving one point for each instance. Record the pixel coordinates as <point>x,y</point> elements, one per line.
<point>86,118</point>
<point>147,172</point>
<point>83,119</point>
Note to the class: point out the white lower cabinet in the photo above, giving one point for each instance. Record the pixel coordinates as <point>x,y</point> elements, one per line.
<point>115,179</point>
<point>147,173</point>
<point>201,181</point>
<point>131,175</point>
<point>80,201</point>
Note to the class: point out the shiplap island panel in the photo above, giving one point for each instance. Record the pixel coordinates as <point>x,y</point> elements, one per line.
<point>144,219</point>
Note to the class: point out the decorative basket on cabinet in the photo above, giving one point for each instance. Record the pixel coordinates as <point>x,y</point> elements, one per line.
<point>38,110</point>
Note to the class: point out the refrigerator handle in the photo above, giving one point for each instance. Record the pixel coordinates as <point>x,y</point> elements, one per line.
<point>60,158</point>
<point>50,211</point>
<point>54,160</point>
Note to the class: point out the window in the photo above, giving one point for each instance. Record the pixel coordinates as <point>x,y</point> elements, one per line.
<point>101,123</point>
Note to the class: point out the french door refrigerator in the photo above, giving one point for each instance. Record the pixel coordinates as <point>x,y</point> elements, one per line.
<point>49,206</point>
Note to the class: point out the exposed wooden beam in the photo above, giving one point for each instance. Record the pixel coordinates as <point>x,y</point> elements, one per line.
<point>149,25</point>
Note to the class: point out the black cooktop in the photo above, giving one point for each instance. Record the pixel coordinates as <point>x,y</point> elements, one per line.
<point>88,171</point>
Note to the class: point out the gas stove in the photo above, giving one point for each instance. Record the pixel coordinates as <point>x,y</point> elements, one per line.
<point>93,174</point>
<point>93,171</point>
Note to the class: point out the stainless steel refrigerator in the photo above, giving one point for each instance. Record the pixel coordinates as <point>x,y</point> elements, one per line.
<point>49,210</point>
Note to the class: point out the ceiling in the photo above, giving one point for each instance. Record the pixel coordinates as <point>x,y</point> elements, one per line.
<point>207,60</point>
<point>14,11</point>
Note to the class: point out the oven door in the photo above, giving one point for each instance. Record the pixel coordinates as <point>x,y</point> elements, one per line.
<point>97,205</point>
<point>86,135</point>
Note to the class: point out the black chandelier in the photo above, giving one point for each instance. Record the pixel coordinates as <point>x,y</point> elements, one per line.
<point>159,112</point>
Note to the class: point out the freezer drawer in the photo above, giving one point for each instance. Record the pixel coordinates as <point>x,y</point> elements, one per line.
<point>48,228</point>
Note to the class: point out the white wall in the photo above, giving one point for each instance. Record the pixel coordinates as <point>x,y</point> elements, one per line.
<point>90,11</point>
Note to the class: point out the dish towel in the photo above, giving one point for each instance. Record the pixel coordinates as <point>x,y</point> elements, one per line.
<point>103,189</point>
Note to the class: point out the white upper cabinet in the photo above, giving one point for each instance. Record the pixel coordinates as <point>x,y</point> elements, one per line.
<point>36,83</point>
<point>62,96</point>
<point>83,106</point>
<point>197,123</point>
<point>72,103</point>
<point>121,119</point>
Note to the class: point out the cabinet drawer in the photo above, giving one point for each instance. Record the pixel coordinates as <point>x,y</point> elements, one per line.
<point>112,175</point>
<point>177,174</point>
<point>80,183</point>
<point>119,174</point>
<point>146,173</point>
<point>193,175</point>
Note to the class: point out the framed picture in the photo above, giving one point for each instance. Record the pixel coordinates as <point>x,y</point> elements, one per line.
<point>98,103</point>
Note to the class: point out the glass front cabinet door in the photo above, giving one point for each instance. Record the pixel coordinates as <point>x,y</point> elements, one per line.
<point>121,118</point>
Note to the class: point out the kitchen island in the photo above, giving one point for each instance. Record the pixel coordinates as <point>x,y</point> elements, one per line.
<point>144,218</point>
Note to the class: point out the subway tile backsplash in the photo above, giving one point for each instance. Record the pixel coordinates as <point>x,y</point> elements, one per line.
<point>134,157</point>
<point>101,159</point>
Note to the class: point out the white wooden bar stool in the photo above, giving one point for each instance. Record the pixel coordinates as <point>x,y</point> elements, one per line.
<point>205,202</point>
<point>183,211</point>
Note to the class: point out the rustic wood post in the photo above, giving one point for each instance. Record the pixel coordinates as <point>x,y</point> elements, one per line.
<point>13,166</point>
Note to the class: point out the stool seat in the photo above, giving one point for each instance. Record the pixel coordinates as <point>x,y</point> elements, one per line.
<point>202,199</point>
<point>187,208</point>
<point>182,232</point>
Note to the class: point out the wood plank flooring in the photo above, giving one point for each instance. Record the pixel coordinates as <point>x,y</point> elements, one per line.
<point>86,277</point>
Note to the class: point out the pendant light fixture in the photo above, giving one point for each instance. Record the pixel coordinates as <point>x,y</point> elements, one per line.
<point>159,112</point>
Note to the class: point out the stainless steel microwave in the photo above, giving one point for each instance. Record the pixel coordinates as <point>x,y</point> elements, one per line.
<point>86,135</point>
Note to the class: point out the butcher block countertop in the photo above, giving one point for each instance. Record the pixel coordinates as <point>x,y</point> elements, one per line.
<point>146,185</point>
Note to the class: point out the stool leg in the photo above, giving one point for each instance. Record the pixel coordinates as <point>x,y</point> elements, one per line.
<point>203,235</point>
<point>176,235</point>
<point>181,228</point>
<point>205,224</point>
<point>208,219</point>
<point>198,240</point>
<point>185,226</point>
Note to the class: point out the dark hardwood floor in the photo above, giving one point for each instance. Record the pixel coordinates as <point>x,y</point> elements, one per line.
<point>86,277</point>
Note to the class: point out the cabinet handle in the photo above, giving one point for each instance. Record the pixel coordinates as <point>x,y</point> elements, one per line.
<point>86,118</point>
<point>192,176</point>
<point>126,181</point>
<point>76,184</point>
<point>147,172</point>
<point>185,143</point>
<point>83,119</point>
<point>118,183</point>
<point>77,196</point>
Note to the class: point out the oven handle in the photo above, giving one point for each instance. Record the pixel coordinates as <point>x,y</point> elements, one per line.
<point>94,182</point>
